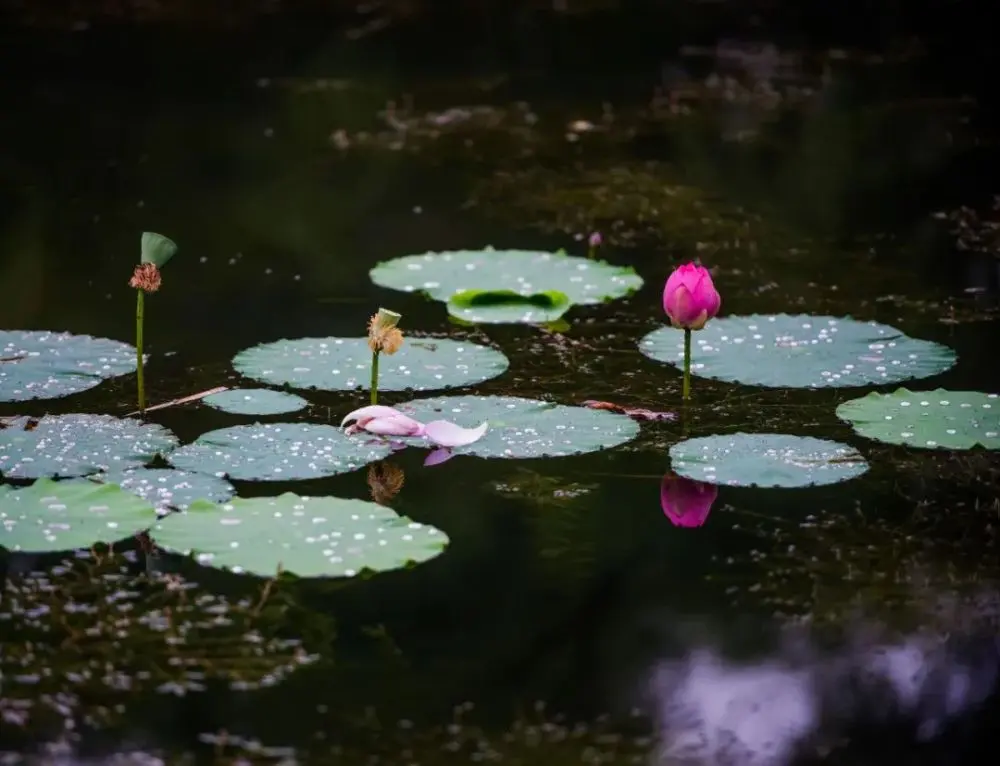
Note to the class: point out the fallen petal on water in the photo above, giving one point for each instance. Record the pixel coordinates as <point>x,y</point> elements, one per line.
<point>446,434</point>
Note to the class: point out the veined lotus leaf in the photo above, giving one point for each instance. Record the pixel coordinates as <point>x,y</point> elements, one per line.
<point>78,445</point>
<point>800,351</point>
<point>167,488</point>
<point>441,276</point>
<point>53,516</point>
<point>255,401</point>
<point>344,364</point>
<point>766,460</point>
<point>525,428</point>
<point>156,249</point>
<point>508,306</point>
<point>306,536</point>
<point>277,452</point>
<point>48,365</point>
<point>930,419</point>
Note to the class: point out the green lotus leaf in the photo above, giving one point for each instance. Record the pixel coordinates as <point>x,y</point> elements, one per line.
<point>525,428</point>
<point>157,249</point>
<point>78,445</point>
<point>168,489</point>
<point>277,452</point>
<point>766,460</point>
<point>305,536</point>
<point>48,365</point>
<point>800,351</point>
<point>344,364</point>
<point>508,306</point>
<point>53,516</point>
<point>528,273</point>
<point>255,401</point>
<point>938,419</point>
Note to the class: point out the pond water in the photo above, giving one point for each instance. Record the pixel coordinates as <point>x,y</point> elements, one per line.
<point>565,586</point>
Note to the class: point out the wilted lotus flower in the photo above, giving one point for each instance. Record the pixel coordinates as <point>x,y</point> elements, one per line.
<point>383,334</point>
<point>689,298</point>
<point>146,277</point>
<point>686,502</point>
<point>384,337</point>
<point>387,421</point>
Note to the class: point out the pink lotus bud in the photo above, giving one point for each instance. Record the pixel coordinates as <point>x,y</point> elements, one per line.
<point>689,298</point>
<point>686,502</point>
<point>595,239</point>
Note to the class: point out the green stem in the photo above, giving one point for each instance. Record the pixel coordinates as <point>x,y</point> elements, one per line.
<point>687,364</point>
<point>374,385</point>
<point>140,312</point>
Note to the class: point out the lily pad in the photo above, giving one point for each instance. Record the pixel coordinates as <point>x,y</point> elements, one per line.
<point>168,489</point>
<point>78,445</point>
<point>800,351</point>
<point>527,273</point>
<point>766,460</point>
<point>306,536</point>
<point>53,516</point>
<point>255,401</point>
<point>930,419</point>
<point>525,428</point>
<point>344,364</point>
<point>277,452</point>
<point>508,306</point>
<point>48,365</point>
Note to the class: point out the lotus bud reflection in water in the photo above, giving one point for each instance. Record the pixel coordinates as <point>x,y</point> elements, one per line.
<point>686,502</point>
<point>384,337</point>
<point>690,300</point>
<point>387,421</point>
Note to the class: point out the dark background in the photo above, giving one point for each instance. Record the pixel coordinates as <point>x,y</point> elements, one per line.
<point>127,38</point>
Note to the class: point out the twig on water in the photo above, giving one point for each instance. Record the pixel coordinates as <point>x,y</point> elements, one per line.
<point>182,400</point>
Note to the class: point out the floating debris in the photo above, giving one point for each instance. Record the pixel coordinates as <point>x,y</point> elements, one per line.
<point>636,413</point>
<point>85,637</point>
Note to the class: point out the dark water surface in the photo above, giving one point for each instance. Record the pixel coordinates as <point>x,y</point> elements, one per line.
<point>564,583</point>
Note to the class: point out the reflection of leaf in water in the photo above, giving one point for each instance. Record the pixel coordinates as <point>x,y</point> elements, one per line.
<point>87,635</point>
<point>535,737</point>
<point>232,748</point>
<point>558,525</point>
<point>833,566</point>
<point>538,489</point>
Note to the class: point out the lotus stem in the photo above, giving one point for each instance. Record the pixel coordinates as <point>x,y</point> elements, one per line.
<point>140,312</point>
<point>374,384</point>
<point>687,364</point>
